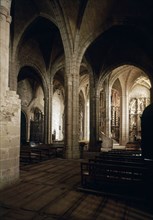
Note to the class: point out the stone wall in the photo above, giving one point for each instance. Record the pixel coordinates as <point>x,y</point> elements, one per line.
<point>9,138</point>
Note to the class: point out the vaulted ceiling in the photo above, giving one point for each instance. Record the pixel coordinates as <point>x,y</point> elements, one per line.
<point>109,33</point>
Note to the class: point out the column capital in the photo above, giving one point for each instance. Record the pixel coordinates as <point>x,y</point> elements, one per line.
<point>6,3</point>
<point>4,11</point>
<point>9,19</point>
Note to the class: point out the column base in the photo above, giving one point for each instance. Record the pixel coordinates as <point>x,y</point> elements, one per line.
<point>72,154</point>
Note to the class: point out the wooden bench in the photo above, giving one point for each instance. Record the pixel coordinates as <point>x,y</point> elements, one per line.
<point>47,151</point>
<point>119,157</point>
<point>40,152</point>
<point>28,156</point>
<point>138,163</point>
<point>124,152</point>
<point>52,150</point>
<point>59,148</point>
<point>122,179</point>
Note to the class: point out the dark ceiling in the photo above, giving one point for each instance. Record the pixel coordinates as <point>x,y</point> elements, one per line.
<point>114,46</point>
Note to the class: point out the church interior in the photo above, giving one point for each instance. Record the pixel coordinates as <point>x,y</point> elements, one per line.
<point>76,109</point>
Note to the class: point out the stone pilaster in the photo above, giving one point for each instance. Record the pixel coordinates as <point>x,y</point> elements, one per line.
<point>9,107</point>
<point>9,139</point>
<point>5,20</point>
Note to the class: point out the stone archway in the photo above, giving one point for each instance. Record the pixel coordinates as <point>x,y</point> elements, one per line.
<point>133,83</point>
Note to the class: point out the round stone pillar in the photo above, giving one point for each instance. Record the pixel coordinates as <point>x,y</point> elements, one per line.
<point>46,121</point>
<point>72,111</point>
<point>107,141</point>
<point>124,137</point>
<point>93,122</point>
<point>10,107</point>
<point>108,107</point>
<point>5,20</point>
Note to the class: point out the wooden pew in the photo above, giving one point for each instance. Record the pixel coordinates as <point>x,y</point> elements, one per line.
<point>29,156</point>
<point>39,152</point>
<point>124,152</point>
<point>52,150</point>
<point>47,151</point>
<point>117,178</point>
<point>59,148</point>
<point>138,163</point>
<point>119,157</point>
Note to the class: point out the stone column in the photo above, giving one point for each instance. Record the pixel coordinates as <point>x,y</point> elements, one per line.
<point>28,128</point>
<point>97,115</point>
<point>10,109</point>
<point>107,141</point>
<point>124,125</point>
<point>5,20</point>
<point>72,110</point>
<point>93,127</point>
<point>49,116</point>
<point>108,108</point>
<point>46,121</point>
<point>86,120</point>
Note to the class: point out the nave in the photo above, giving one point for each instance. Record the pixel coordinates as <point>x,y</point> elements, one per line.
<point>49,190</point>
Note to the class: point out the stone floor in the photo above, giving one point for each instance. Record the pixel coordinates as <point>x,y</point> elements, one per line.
<point>48,190</point>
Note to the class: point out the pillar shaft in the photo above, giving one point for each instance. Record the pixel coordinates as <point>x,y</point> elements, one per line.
<point>4,49</point>
<point>9,107</point>
<point>124,137</point>
<point>108,108</point>
<point>46,121</point>
<point>72,110</point>
<point>93,123</point>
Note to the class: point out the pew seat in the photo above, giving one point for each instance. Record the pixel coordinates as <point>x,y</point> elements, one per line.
<point>121,180</point>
